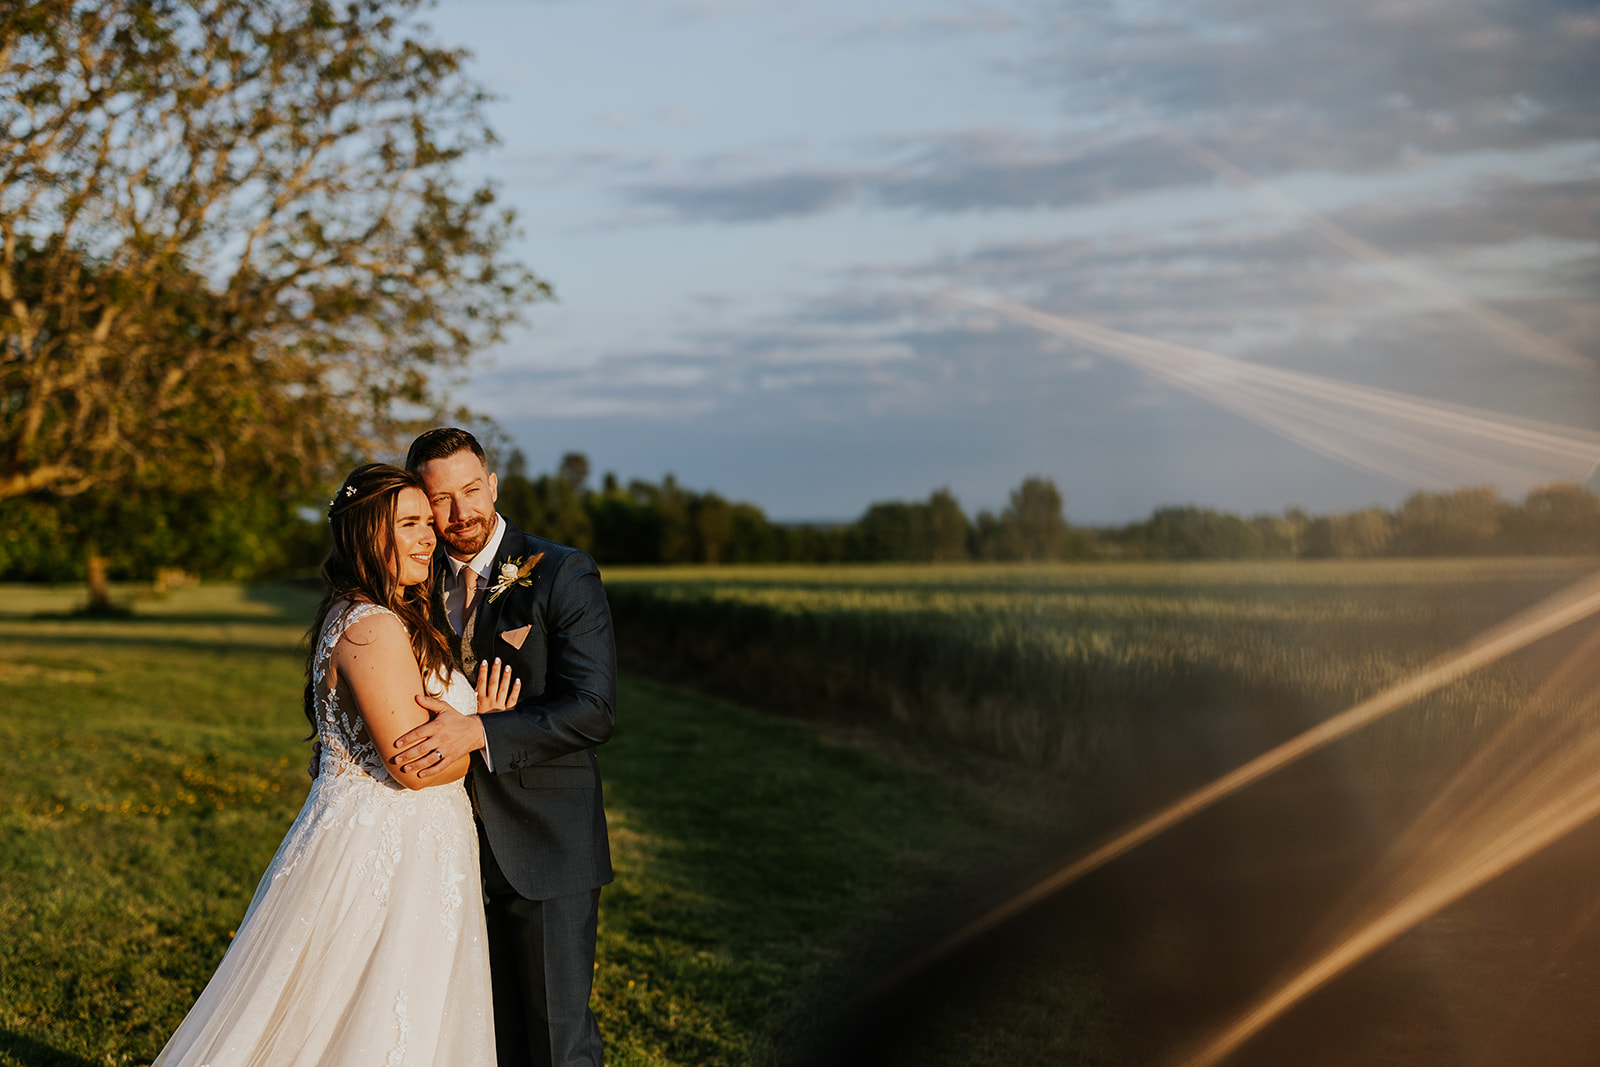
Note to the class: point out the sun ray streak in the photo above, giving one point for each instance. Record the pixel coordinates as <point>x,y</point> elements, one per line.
<point>1504,852</point>
<point>1571,605</point>
<point>1513,335</point>
<point>1415,441</point>
<point>1501,808</point>
<point>1542,798</point>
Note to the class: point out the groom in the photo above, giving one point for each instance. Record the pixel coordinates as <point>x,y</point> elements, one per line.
<point>537,607</point>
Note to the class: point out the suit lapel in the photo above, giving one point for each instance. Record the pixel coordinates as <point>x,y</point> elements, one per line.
<point>511,547</point>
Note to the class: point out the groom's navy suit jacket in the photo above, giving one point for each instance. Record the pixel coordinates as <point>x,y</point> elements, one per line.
<point>541,806</point>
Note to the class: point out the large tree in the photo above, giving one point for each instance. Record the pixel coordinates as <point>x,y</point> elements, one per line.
<point>234,239</point>
<point>1036,514</point>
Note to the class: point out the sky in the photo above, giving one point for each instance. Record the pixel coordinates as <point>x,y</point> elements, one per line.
<point>766,225</point>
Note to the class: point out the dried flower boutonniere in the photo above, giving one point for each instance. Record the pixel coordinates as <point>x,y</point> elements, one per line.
<point>514,572</point>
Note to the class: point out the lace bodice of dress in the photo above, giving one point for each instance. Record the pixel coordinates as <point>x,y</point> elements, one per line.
<point>347,748</point>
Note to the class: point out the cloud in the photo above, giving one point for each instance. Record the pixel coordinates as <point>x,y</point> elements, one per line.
<point>1450,134</point>
<point>1488,217</point>
<point>1512,209</point>
<point>992,170</point>
<point>753,199</point>
<point>1361,87</point>
<point>1259,287</point>
<point>579,167</point>
<point>967,170</point>
<point>1266,290</point>
<point>1000,170</point>
<point>842,358</point>
<point>973,400</point>
<point>925,24</point>
<point>656,385</point>
<point>817,365</point>
<point>1350,86</point>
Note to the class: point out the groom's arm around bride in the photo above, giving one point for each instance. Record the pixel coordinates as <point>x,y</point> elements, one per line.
<point>539,608</point>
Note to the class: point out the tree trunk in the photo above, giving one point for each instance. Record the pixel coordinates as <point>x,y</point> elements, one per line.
<point>99,587</point>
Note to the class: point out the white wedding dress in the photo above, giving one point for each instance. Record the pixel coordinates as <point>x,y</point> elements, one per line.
<point>364,944</point>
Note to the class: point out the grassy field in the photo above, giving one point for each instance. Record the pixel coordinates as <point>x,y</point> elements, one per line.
<point>762,861</point>
<point>156,761</point>
<point>1052,664</point>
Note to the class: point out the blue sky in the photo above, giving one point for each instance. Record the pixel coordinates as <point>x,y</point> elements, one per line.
<point>749,212</point>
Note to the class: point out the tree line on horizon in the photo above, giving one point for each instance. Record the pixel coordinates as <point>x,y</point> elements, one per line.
<point>646,522</point>
<point>664,523</point>
<point>249,532</point>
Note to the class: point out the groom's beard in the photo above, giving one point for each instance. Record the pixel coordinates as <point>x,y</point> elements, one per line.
<point>467,539</point>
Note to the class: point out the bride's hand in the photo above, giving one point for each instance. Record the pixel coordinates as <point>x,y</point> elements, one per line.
<point>496,689</point>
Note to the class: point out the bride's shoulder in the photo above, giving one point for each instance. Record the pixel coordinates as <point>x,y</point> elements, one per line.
<point>362,623</point>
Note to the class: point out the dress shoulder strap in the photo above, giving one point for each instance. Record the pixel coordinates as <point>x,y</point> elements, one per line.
<point>336,624</point>
<point>345,742</point>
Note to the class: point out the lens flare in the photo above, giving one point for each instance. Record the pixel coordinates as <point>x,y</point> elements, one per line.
<point>1535,782</point>
<point>1415,441</point>
<point>1513,335</point>
<point>1510,802</point>
<point>1571,605</point>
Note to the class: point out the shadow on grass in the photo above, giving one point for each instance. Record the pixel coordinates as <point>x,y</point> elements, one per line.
<point>789,861</point>
<point>116,611</point>
<point>185,619</point>
<point>166,643</point>
<point>22,1049</point>
<point>291,604</point>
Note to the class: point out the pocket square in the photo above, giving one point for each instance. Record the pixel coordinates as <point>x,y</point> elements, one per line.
<point>514,638</point>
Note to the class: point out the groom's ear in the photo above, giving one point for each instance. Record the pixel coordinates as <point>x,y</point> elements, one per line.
<point>494,488</point>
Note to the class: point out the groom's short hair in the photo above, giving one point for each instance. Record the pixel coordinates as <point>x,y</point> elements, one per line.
<point>442,443</point>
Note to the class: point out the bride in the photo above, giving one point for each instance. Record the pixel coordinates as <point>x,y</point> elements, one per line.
<point>364,943</point>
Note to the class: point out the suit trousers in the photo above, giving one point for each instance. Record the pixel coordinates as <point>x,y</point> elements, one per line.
<point>541,962</point>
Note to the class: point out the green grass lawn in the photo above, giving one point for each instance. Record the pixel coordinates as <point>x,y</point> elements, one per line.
<point>155,762</point>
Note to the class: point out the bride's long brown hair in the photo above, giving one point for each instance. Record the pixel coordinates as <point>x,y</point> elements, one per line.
<point>364,564</point>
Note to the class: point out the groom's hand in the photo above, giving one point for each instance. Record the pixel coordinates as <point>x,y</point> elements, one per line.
<point>440,742</point>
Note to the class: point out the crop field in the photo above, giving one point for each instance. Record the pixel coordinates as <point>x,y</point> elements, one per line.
<point>1138,683</point>
<point>1054,664</point>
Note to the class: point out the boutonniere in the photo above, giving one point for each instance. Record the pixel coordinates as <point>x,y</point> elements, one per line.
<point>514,572</point>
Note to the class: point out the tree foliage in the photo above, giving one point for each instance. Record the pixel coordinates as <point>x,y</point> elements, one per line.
<point>666,523</point>
<point>1036,513</point>
<point>1205,533</point>
<point>644,522</point>
<point>548,505</point>
<point>233,239</point>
